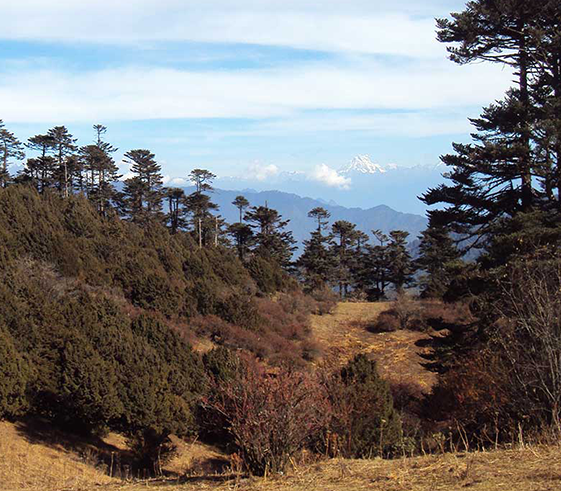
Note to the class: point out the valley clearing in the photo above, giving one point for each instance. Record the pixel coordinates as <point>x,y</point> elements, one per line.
<point>37,458</point>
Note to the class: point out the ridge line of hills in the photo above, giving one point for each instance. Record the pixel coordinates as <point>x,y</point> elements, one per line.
<point>295,208</point>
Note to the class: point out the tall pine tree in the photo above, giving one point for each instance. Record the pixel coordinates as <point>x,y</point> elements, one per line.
<point>63,148</point>
<point>142,201</point>
<point>205,226</point>
<point>317,262</point>
<point>271,240</point>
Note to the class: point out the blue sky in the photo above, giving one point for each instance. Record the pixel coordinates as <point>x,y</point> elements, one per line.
<point>231,86</point>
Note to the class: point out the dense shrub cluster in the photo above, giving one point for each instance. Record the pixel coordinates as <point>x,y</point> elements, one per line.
<point>14,375</point>
<point>75,357</point>
<point>154,270</point>
<point>86,305</point>
<point>364,423</point>
<point>268,416</point>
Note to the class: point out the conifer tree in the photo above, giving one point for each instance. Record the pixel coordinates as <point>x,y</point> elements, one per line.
<point>271,240</point>
<point>378,267</point>
<point>175,217</point>
<point>41,170</point>
<point>501,31</point>
<point>143,191</point>
<point>399,260</point>
<point>202,179</point>
<point>495,177</point>
<point>10,148</point>
<point>100,170</point>
<point>547,99</point>
<point>241,232</point>
<point>317,262</point>
<point>345,236</point>
<point>439,258</point>
<point>205,226</point>
<point>360,270</point>
<point>243,236</point>
<point>63,148</point>
<point>241,203</point>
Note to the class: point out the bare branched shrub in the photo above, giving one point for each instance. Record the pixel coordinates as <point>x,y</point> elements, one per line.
<point>270,416</point>
<point>387,321</point>
<point>406,309</point>
<point>404,313</point>
<point>531,336</point>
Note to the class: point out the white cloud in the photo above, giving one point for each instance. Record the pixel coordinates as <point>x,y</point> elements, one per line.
<point>331,25</point>
<point>261,172</point>
<point>141,93</point>
<point>176,181</point>
<point>330,177</point>
<point>416,124</point>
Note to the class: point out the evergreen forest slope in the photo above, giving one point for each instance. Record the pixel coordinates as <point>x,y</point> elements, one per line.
<point>97,316</point>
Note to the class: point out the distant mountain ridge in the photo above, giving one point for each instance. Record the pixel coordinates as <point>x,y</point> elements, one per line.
<point>295,208</point>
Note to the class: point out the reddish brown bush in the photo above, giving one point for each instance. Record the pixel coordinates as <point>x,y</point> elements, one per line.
<point>326,301</point>
<point>420,315</point>
<point>270,416</point>
<point>448,313</point>
<point>281,334</point>
<point>475,397</point>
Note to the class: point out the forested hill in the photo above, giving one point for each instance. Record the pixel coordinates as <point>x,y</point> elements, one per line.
<point>97,316</point>
<point>295,208</point>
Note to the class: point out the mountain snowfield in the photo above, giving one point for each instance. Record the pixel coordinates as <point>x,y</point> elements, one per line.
<point>361,183</point>
<point>362,164</point>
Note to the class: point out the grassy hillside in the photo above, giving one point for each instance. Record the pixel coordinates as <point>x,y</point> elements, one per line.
<point>97,316</point>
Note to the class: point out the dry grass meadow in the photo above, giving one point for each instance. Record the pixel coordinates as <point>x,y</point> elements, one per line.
<point>344,334</point>
<point>36,458</point>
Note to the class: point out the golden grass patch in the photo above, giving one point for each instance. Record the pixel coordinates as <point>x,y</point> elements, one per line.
<point>344,334</point>
<point>525,469</point>
<point>28,465</point>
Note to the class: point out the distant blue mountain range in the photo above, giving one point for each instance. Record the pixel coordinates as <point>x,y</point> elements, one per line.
<point>295,208</point>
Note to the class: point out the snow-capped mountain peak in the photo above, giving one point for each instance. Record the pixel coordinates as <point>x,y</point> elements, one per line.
<point>363,165</point>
